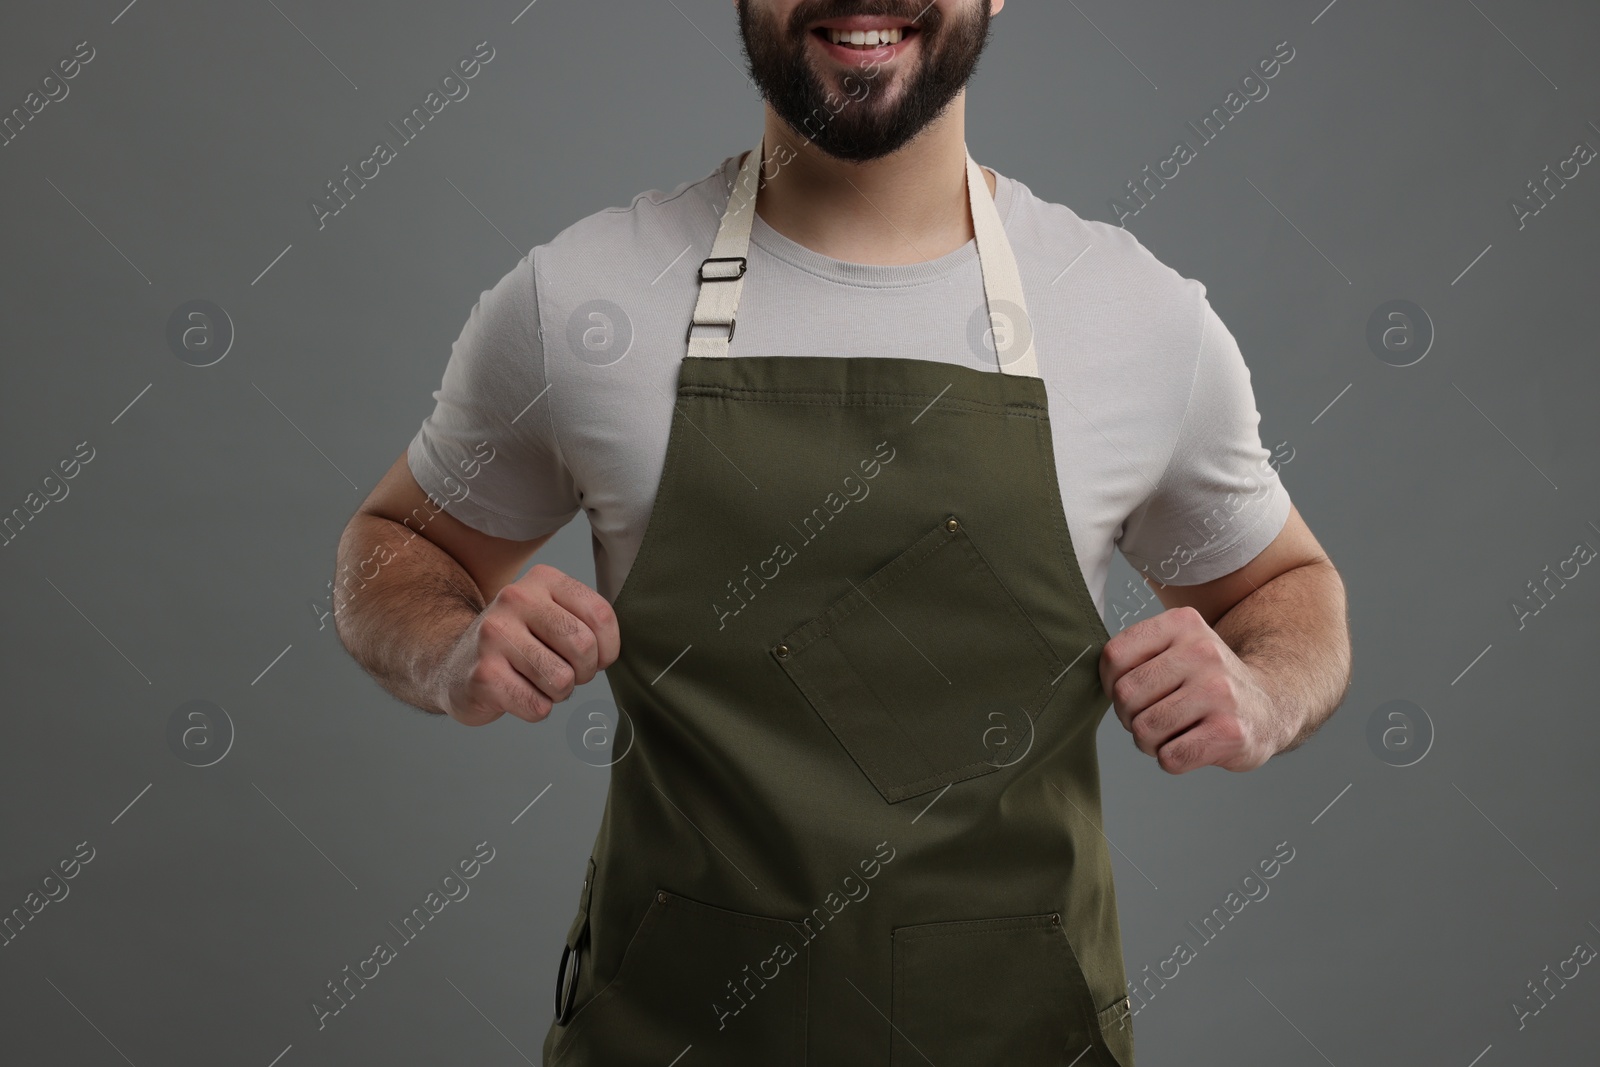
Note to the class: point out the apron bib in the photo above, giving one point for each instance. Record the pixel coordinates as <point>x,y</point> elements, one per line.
<point>859,822</point>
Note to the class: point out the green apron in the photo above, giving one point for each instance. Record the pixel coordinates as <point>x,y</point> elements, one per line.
<point>859,820</point>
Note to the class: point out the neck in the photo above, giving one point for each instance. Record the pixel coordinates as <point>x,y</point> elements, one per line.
<point>907,207</point>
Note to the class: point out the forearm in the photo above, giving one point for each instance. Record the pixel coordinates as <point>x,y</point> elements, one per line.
<point>400,603</point>
<point>1294,634</point>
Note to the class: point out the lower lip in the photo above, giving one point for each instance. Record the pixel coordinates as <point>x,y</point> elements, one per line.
<point>880,54</point>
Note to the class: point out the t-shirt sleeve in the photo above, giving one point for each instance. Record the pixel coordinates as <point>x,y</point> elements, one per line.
<point>488,450</point>
<point>1219,502</point>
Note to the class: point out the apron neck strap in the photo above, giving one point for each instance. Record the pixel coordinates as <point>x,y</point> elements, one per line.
<point>721,275</point>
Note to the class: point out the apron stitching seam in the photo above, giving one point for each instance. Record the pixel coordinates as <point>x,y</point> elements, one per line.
<point>1063,536</point>
<point>1020,409</point>
<point>647,544</point>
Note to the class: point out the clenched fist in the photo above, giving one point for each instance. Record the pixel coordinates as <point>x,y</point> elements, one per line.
<point>1186,698</point>
<point>542,636</point>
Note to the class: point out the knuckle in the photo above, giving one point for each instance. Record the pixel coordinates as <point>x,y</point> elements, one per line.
<point>487,633</point>
<point>1122,690</point>
<point>480,679</point>
<point>494,639</point>
<point>583,640</point>
<point>1184,753</point>
<point>475,710</point>
<point>552,620</point>
<point>514,597</point>
<point>562,677</point>
<point>1173,759</point>
<point>560,623</point>
<point>1141,734</point>
<point>1148,728</point>
<point>1222,688</point>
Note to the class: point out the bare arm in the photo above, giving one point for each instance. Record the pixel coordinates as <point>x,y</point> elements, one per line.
<point>1283,614</point>
<point>1304,667</point>
<point>433,610</point>
<point>1240,668</point>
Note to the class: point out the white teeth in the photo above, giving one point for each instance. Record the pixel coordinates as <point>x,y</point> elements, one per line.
<point>867,38</point>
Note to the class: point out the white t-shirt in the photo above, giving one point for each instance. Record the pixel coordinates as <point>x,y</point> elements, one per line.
<point>567,368</point>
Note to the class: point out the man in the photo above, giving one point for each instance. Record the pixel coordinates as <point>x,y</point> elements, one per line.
<point>845,562</point>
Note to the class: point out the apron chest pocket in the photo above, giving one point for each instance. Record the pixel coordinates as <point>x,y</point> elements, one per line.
<point>928,672</point>
<point>990,991</point>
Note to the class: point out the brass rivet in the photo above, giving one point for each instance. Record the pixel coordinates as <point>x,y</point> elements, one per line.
<point>661,898</point>
<point>1055,920</point>
<point>782,651</point>
<point>951,524</point>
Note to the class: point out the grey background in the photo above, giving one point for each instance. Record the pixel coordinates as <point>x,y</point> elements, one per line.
<point>186,562</point>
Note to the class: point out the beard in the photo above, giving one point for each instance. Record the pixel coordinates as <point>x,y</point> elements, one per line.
<point>869,115</point>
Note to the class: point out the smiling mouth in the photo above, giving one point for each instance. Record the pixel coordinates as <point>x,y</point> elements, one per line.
<point>865,40</point>
<point>886,40</point>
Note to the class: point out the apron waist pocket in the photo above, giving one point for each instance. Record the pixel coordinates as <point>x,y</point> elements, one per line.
<point>696,974</point>
<point>1003,990</point>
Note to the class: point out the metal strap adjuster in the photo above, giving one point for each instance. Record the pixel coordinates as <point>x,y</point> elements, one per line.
<point>743,265</point>
<point>689,333</point>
